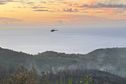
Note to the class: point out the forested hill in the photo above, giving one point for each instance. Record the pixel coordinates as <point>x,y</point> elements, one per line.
<point>11,59</point>
<point>110,59</point>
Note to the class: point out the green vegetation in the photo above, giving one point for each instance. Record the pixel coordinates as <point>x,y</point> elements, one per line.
<point>25,76</point>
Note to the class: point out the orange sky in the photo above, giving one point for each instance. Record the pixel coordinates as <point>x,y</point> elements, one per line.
<point>61,11</point>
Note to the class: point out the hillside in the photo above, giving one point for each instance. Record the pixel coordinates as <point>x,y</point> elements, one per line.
<point>110,60</point>
<point>85,77</point>
<point>12,59</point>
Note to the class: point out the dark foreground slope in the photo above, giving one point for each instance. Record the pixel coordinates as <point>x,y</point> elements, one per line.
<point>84,77</point>
<point>23,76</point>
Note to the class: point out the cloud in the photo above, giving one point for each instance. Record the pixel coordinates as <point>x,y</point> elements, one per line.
<point>40,10</point>
<point>106,4</point>
<point>5,1</point>
<point>37,7</point>
<point>103,5</point>
<point>70,10</point>
<point>6,20</point>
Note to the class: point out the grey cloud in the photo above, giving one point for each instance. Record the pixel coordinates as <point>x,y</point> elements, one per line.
<point>70,10</point>
<point>41,10</point>
<point>5,1</point>
<point>103,5</point>
<point>37,7</point>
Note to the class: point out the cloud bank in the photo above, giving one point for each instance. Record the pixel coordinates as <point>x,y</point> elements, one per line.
<point>7,20</point>
<point>107,4</point>
<point>5,1</point>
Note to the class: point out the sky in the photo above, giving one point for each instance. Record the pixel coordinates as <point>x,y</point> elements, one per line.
<point>84,25</point>
<point>37,12</point>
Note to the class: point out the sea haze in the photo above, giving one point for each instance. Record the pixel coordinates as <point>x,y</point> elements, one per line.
<point>69,39</point>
